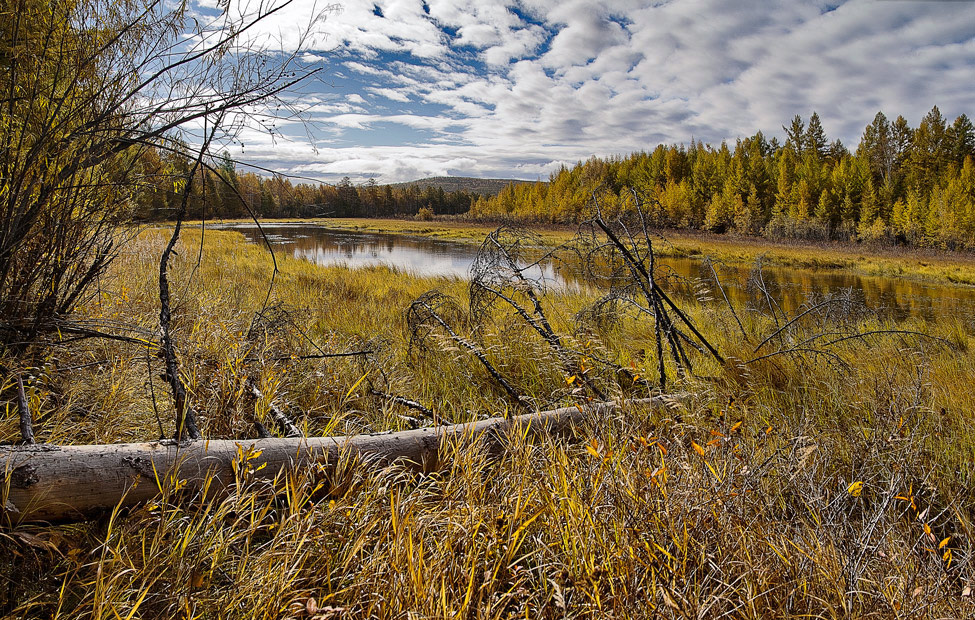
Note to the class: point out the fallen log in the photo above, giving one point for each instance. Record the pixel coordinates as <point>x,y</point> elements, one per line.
<point>46,483</point>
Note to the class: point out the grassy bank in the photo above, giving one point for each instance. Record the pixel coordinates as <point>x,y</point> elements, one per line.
<point>817,486</point>
<point>886,261</point>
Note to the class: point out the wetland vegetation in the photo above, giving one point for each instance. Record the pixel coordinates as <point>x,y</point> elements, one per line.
<point>784,476</point>
<point>814,457</point>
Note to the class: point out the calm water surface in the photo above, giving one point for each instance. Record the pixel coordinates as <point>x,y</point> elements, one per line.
<point>895,297</point>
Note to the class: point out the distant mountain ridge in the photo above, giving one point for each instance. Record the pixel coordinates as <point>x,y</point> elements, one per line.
<point>490,187</point>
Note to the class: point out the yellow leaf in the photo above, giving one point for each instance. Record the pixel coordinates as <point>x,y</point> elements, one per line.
<point>697,448</point>
<point>944,542</point>
<point>855,489</point>
<point>570,380</point>
<point>592,448</point>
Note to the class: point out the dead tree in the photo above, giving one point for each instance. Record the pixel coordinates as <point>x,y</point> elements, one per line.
<point>620,254</point>
<point>111,99</point>
<point>504,271</point>
<point>427,314</point>
<point>71,483</point>
<point>282,419</point>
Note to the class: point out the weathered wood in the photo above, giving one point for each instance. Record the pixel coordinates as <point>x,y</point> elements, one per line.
<point>23,407</point>
<point>69,483</point>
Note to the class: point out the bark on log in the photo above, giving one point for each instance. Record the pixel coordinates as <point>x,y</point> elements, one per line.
<point>70,483</point>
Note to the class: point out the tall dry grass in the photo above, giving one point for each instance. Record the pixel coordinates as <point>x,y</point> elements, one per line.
<point>782,488</point>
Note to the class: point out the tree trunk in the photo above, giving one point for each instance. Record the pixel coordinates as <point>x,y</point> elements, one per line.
<point>69,483</point>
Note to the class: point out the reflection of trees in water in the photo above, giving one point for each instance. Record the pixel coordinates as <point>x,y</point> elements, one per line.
<point>891,296</point>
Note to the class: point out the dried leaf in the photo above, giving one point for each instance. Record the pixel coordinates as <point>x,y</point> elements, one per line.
<point>593,449</point>
<point>668,600</point>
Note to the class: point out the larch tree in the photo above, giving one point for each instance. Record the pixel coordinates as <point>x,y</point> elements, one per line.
<point>814,139</point>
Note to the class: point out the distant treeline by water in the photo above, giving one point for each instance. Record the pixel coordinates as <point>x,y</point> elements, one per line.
<point>915,185</point>
<point>228,192</point>
<point>901,183</point>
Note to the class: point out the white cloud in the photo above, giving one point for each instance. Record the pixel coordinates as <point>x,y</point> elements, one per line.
<point>518,88</point>
<point>390,93</point>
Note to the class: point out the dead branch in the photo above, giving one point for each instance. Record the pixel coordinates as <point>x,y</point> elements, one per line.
<point>69,483</point>
<point>281,418</point>
<point>709,265</point>
<point>23,409</point>
<point>632,262</point>
<point>498,274</point>
<point>406,402</point>
<point>424,315</point>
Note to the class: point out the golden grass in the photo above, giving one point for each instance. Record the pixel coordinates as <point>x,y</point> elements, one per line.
<point>744,503</point>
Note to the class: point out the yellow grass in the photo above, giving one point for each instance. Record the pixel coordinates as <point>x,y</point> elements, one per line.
<point>782,489</point>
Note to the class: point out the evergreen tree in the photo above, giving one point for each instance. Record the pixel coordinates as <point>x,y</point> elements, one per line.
<point>962,139</point>
<point>814,139</point>
<point>929,152</point>
<point>784,197</point>
<point>794,134</point>
<point>903,137</point>
<point>836,151</point>
<point>878,147</point>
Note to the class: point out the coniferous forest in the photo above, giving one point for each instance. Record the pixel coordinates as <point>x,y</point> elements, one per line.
<point>913,185</point>
<point>910,185</point>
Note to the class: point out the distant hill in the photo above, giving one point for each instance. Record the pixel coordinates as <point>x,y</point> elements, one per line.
<point>490,187</point>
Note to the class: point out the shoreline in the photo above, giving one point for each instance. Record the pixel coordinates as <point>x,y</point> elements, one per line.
<point>920,264</point>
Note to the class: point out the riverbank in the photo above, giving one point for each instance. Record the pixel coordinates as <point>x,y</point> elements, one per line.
<point>888,261</point>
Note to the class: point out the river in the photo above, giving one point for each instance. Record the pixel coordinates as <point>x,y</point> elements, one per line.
<point>891,296</point>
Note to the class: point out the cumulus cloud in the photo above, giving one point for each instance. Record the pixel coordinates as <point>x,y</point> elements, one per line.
<point>518,88</point>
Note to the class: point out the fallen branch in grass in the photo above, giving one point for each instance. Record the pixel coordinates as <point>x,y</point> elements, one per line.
<point>284,422</point>
<point>23,408</point>
<point>71,483</point>
<point>426,314</point>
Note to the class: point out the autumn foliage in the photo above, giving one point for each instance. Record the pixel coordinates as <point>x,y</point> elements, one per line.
<point>914,185</point>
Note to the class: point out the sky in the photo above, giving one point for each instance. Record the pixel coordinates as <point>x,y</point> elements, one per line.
<point>499,89</point>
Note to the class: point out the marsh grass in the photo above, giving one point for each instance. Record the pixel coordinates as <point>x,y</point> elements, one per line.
<point>782,488</point>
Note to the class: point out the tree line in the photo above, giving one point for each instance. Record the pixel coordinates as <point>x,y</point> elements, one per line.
<point>225,191</point>
<point>913,185</point>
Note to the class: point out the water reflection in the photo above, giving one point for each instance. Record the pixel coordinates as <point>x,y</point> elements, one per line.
<point>894,297</point>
